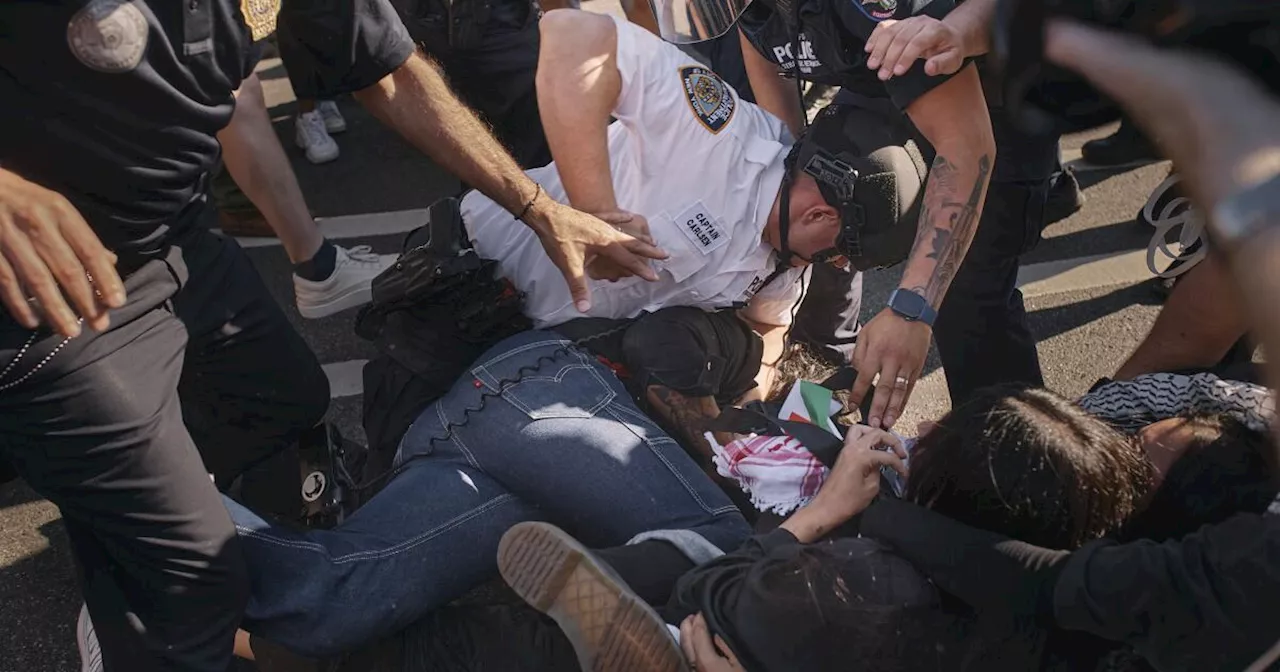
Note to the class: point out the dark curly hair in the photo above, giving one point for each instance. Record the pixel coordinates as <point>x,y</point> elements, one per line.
<point>1030,464</point>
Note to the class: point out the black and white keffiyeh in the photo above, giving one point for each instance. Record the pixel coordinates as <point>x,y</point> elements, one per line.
<point>1129,405</point>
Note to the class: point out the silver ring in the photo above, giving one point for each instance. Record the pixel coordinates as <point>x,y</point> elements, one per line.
<point>900,382</point>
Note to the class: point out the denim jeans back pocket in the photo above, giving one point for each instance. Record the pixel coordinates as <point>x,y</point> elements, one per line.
<point>547,383</point>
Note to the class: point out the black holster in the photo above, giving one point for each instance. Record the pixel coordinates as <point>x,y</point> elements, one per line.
<point>434,312</point>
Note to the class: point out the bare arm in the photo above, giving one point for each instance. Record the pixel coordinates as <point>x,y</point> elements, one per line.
<point>1200,321</point>
<point>774,344</point>
<point>973,20</point>
<point>953,118</point>
<point>416,101</point>
<point>775,93</point>
<point>1224,139</point>
<point>256,161</point>
<point>578,85</point>
<point>686,418</point>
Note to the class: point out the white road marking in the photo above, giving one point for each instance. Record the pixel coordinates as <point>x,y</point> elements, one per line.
<point>346,379</point>
<point>357,226</point>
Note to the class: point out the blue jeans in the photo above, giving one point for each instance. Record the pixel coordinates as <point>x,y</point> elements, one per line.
<point>564,444</point>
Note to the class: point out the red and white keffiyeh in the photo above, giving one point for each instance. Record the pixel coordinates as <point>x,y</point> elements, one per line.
<point>777,472</point>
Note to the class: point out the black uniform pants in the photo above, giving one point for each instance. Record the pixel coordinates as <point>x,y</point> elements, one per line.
<point>982,331</point>
<point>112,427</point>
<point>492,69</point>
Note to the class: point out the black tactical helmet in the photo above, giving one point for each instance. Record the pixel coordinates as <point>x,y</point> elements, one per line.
<point>877,190</point>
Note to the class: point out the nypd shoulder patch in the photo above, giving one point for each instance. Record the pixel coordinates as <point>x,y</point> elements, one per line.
<point>710,99</point>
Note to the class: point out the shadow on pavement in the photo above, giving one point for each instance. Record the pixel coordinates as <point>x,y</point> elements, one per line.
<point>1047,323</point>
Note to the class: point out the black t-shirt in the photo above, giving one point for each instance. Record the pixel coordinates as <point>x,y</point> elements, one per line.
<point>833,34</point>
<point>115,104</point>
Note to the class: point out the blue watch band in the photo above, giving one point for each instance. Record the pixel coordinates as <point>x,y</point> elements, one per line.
<point>911,306</point>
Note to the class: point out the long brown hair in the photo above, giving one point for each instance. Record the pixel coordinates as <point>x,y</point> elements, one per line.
<point>1030,464</point>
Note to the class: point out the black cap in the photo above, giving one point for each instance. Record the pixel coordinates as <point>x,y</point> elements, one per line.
<point>877,189</point>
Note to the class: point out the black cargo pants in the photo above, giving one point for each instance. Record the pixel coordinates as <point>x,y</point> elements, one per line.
<point>96,425</point>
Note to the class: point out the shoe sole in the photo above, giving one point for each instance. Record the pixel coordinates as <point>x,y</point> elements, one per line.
<point>321,158</point>
<point>353,298</point>
<point>87,662</point>
<point>611,629</point>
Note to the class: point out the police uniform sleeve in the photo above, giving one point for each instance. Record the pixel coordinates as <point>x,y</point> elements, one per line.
<point>675,106</point>
<point>330,47</point>
<point>861,17</point>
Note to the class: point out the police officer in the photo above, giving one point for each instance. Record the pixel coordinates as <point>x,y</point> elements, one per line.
<point>822,41</point>
<point>982,332</point>
<point>134,341</point>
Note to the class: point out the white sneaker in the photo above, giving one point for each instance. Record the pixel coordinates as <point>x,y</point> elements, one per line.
<point>87,642</point>
<point>333,120</point>
<point>313,138</point>
<point>348,286</point>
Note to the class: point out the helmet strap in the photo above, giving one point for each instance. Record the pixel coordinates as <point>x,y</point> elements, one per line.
<point>784,224</point>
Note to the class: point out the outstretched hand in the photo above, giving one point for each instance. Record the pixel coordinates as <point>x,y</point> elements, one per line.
<point>890,353</point>
<point>630,223</point>
<point>574,240</point>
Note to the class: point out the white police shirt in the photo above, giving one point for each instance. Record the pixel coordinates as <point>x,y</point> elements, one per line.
<point>701,165</point>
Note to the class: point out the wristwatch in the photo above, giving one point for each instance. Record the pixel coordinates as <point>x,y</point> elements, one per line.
<point>1245,214</point>
<point>912,307</point>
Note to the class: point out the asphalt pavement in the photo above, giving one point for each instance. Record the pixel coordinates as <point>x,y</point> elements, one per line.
<point>1088,293</point>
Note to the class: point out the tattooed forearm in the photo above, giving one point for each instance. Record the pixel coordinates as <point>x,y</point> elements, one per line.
<point>685,417</point>
<point>949,222</point>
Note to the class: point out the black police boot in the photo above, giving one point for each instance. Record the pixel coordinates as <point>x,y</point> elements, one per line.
<point>1065,198</point>
<point>1126,145</point>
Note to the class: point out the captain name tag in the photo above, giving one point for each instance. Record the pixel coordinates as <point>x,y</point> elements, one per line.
<point>701,229</point>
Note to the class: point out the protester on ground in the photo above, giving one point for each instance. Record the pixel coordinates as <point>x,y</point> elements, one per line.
<point>1025,461</point>
<point>565,442</point>
<point>1188,428</point>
